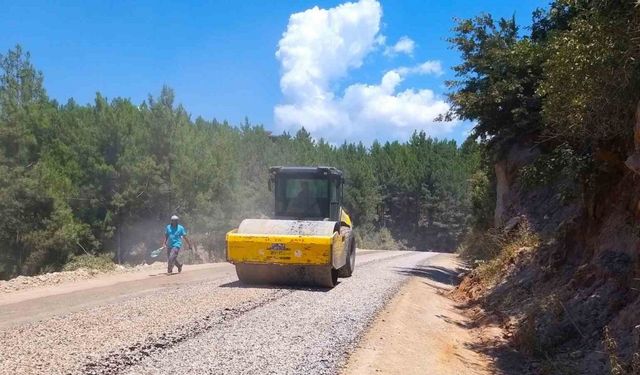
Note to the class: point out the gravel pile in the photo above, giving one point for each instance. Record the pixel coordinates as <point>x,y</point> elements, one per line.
<point>216,326</point>
<point>54,278</point>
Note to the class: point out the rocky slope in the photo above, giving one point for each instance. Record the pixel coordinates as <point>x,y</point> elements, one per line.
<point>585,275</point>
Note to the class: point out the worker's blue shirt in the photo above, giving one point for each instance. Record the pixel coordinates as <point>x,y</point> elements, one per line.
<point>174,235</point>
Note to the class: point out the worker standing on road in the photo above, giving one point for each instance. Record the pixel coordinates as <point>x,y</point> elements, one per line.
<point>173,236</point>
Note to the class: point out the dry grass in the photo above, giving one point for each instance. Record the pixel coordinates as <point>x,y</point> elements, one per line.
<point>526,336</point>
<point>90,262</point>
<point>377,239</point>
<point>494,250</point>
<point>480,246</point>
<point>616,365</point>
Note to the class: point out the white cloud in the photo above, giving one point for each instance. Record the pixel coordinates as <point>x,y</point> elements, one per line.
<point>381,108</point>
<point>321,45</point>
<point>404,45</point>
<point>318,48</point>
<point>433,67</point>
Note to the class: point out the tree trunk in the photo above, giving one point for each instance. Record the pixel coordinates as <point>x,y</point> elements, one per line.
<point>502,189</point>
<point>633,161</point>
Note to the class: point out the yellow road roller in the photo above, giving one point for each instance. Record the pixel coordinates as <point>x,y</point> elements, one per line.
<point>309,240</point>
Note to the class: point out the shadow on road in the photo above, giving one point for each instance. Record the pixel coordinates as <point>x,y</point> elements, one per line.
<point>438,274</point>
<point>506,360</point>
<point>162,274</point>
<point>241,285</point>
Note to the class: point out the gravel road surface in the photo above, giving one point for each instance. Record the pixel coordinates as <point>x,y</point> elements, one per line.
<point>188,324</point>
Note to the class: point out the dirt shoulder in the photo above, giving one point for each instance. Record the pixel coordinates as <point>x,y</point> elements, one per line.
<point>23,283</point>
<point>421,331</point>
<point>42,301</point>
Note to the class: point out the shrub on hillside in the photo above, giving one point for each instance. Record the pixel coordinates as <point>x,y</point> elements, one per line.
<point>92,262</point>
<point>367,238</point>
<point>494,249</point>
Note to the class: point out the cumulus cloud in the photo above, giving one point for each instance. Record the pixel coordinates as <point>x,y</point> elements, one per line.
<point>430,67</point>
<point>320,47</point>
<point>433,67</point>
<point>404,45</point>
<point>382,108</point>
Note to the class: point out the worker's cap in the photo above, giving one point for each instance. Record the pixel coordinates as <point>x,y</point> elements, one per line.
<point>174,217</point>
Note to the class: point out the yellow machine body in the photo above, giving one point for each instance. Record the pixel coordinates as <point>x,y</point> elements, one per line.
<point>279,249</point>
<point>260,241</point>
<point>293,252</point>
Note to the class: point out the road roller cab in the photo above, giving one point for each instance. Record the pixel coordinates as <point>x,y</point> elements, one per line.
<point>309,240</point>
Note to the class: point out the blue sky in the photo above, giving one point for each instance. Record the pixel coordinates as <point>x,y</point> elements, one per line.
<point>336,71</point>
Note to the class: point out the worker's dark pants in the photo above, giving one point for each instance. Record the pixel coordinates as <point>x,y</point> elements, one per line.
<point>172,258</point>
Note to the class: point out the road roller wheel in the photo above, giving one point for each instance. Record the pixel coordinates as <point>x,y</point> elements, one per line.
<point>246,275</point>
<point>271,274</point>
<point>350,265</point>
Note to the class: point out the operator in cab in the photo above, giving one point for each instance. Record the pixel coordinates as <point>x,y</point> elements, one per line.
<point>305,203</point>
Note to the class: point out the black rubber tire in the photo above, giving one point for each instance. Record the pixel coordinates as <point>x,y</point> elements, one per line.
<point>347,269</point>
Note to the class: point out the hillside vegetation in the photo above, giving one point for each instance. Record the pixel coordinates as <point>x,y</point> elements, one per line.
<point>103,178</point>
<point>556,241</point>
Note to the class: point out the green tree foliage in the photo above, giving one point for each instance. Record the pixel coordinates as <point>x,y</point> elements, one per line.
<point>102,178</point>
<point>497,82</point>
<point>570,88</point>
<point>591,82</point>
<point>574,104</point>
<point>424,185</point>
<point>39,226</point>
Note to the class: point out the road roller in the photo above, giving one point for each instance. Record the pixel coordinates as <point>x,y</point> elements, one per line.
<point>307,242</point>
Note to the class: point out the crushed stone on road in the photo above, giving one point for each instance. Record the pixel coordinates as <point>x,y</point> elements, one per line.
<point>218,327</point>
<point>66,343</point>
<point>304,332</point>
